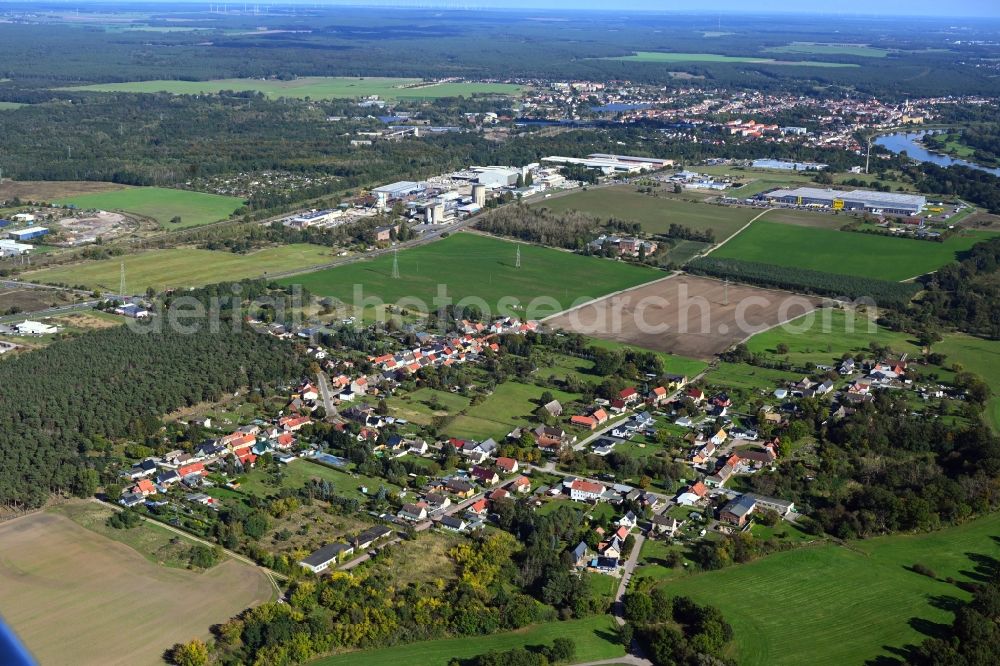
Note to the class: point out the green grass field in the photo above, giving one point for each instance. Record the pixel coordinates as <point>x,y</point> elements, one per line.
<point>9,106</point>
<point>162,204</point>
<point>833,605</point>
<point>981,357</point>
<point>298,473</point>
<point>594,636</point>
<point>509,406</point>
<point>414,406</point>
<point>814,48</point>
<point>662,57</point>
<point>655,214</point>
<point>182,267</point>
<point>478,267</point>
<point>843,252</point>
<point>314,87</point>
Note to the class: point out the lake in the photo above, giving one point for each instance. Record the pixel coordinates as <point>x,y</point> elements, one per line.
<point>909,141</point>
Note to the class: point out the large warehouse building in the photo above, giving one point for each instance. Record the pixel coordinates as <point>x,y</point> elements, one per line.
<point>892,203</point>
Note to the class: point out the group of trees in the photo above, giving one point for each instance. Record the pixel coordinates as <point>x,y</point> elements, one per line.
<point>367,609</point>
<point>571,229</point>
<point>882,292</point>
<point>676,631</point>
<point>60,403</point>
<point>961,295</point>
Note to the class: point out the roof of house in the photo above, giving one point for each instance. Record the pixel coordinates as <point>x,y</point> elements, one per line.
<point>330,551</point>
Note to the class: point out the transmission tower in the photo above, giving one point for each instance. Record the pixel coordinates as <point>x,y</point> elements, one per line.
<point>121,282</point>
<point>517,258</point>
<point>395,264</point>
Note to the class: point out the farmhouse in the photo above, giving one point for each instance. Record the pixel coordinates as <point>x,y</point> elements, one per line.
<point>322,558</point>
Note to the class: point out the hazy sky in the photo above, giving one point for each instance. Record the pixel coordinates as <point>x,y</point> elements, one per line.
<point>944,8</point>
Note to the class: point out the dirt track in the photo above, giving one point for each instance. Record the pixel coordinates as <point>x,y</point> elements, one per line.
<point>685,315</point>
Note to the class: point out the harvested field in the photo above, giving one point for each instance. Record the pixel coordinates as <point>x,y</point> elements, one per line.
<point>49,190</point>
<point>76,597</point>
<point>684,315</point>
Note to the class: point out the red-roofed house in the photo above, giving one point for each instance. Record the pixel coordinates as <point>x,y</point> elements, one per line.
<point>582,491</point>
<point>629,395</point>
<point>144,487</point>
<point>193,468</point>
<point>294,423</point>
<point>584,421</point>
<point>507,465</point>
<point>522,484</point>
<point>657,395</point>
<point>478,507</point>
<point>600,415</point>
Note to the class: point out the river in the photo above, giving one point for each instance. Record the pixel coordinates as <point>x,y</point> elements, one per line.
<point>909,141</point>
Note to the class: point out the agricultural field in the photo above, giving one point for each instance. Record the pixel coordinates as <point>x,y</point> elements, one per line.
<point>849,253</point>
<point>816,597</point>
<point>595,639</point>
<point>477,267</point>
<point>655,213</point>
<point>52,190</point>
<point>981,357</point>
<point>70,592</point>
<point>181,267</point>
<point>670,58</point>
<point>815,48</point>
<point>29,300</point>
<point>161,204</point>
<point>509,406</point>
<point>313,87</point>
<point>686,315</point>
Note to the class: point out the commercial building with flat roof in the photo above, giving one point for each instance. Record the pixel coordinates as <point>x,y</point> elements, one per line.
<point>894,203</point>
<point>787,165</point>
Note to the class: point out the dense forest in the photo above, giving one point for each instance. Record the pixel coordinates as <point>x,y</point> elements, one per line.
<point>62,402</point>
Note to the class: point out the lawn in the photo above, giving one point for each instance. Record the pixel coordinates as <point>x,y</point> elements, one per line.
<point>655,213</point>
<point>595,639</point>
<point>182,267</point>
<point>663,57</point>
<point>844,252</point>
<point>313,87</point>
<point>70,593</point>
<point>162,204</point>
<point>509,406</point>
<point>834,605</point>
<point>483,270</point>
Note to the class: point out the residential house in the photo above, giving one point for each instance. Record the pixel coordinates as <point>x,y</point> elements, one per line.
<point>413,512</point>
<point>657,396</point>
<point>665,525</point>
<point>522,484</point>
<point>477,508</point>
<point>719,438</point>
<point>437,501</point>
<point>738,510</point>
<point>629,396</point>
<point>454,523</point>
<point>587,422</point>
<point>460,487</point>
<point>142,469</point>
<point>586,491</point>
<point>485,476</point>
<point>507,465</point>
<point>580,554</point>
<point>628,521</point>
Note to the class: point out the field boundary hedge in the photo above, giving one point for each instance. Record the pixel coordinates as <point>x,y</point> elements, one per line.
<point>883,292</point>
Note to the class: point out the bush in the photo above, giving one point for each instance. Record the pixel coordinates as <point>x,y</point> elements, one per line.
<point>924,570</point>
<point>124,520</point>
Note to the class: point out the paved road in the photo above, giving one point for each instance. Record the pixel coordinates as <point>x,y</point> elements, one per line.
<point>629,659</point>
<point>325,393</point>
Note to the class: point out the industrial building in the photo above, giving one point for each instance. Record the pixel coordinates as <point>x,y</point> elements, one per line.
<point>314,218</point>
<point>610,164</point>
<point>28,327</point>
<point>9,248</point>
<point>27,234</point>
<point>787,165</point>
<point>892,203</point>
<point>396,191</point>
